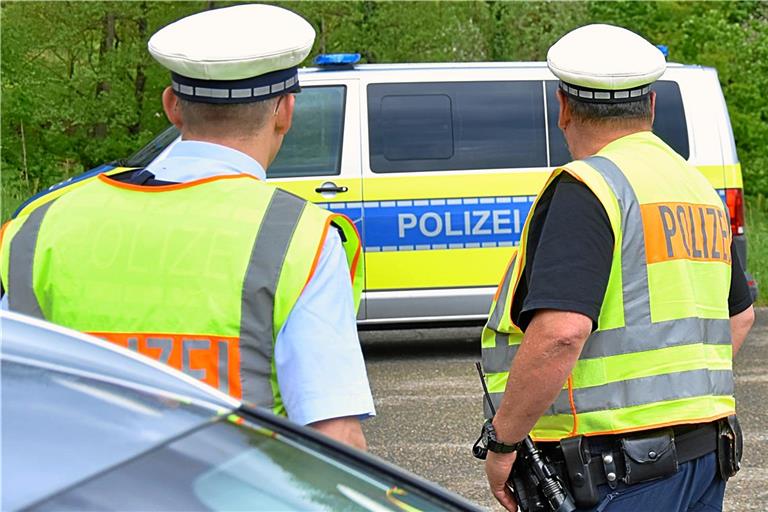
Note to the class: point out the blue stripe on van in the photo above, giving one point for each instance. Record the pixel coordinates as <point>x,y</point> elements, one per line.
<point>434,224</point>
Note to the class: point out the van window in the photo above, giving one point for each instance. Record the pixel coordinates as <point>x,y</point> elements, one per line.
<point>669,123</point>
<point>455,126</point>
<point>558,149</point>
<point>313,145</point>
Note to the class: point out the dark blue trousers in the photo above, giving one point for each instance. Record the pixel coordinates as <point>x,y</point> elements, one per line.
<point>696,487</point>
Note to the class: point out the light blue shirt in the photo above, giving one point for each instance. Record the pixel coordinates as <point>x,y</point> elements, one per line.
<point>319,362</point>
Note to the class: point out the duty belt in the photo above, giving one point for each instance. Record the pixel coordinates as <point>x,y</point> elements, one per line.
<point>608,467</point>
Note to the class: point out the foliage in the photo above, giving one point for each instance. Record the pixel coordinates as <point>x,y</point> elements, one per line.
<point>79,88</point>
<point>757,240</point>
<point>732,37</point>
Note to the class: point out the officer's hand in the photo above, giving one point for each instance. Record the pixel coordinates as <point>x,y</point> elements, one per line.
<point>498,467</point>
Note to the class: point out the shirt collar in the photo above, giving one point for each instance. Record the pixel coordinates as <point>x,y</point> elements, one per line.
<point>216,158</point>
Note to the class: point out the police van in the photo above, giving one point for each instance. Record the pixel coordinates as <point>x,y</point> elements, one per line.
<point>439,164</point>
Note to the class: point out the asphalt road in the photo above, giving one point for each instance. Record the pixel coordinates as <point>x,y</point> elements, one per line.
<point>429,405</point>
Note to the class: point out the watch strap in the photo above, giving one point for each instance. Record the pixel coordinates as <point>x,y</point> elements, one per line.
<point>499,447</point>
<point>496,446</point>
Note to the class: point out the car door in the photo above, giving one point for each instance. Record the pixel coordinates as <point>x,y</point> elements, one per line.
<point>320,156</point>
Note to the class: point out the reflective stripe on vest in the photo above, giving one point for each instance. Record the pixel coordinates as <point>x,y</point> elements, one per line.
<point>22,253</point>
<point>259,291</point>
<point>637,374</point>
<point>233,349</point>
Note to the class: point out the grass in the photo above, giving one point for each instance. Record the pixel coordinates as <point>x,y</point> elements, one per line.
<point>9,201</point>
<point>757,243</point>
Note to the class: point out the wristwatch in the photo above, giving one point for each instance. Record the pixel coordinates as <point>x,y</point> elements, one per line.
<point>493,444</point>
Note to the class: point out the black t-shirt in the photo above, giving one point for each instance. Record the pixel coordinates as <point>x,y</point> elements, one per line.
<point>568,258</point>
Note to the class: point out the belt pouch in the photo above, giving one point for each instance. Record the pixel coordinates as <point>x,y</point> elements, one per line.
<point>650,456</point>
<point>729,446</point>
<point>576,455</point>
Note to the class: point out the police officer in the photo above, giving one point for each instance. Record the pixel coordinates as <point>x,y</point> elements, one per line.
<point>196,261</point>
<point>611,337</point>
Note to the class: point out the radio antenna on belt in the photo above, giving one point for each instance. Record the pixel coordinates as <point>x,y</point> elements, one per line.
<point>485,388</point>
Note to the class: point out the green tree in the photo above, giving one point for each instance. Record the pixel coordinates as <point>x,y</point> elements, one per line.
<point>524,31</point>
<point>428,32</point>
<point>78,87</point>
<point>732,37</point>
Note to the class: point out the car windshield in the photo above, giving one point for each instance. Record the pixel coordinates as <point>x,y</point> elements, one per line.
<point>234,464</point>
<point>145,155</point>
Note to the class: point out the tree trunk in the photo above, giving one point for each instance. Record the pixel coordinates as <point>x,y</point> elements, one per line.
<point>108,34</point>
<point>140,81</point>
<point>24,167</point>
<point>107,44</point>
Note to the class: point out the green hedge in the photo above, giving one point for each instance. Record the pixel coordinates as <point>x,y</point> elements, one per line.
<point>757,243</point>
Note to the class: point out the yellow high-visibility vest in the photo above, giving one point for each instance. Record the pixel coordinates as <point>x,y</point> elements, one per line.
<point>661,354</point>
<point>200,275</point>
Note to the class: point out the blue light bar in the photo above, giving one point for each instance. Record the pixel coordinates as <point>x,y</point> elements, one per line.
<point>337,59</point>
<point>663,49</point>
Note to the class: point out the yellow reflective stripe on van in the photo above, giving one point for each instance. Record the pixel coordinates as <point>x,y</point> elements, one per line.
<point>448,184</point>
<point>305,187</point>
<point>723,176</point>
<point>451,184</point>
<point>699,409</point>
<point>436,268</point>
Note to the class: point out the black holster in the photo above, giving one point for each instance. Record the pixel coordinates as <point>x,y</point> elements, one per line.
<point>577,456</point>
<point>730,443</point>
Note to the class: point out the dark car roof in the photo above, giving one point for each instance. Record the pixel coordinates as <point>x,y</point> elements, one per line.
<point>73,401</point>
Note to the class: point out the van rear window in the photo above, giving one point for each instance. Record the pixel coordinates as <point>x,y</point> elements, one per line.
<point>669,123</point>
<point>455,126</point>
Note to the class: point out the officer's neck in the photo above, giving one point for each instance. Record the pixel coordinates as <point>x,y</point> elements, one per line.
<point>585,140</point>
<point>257,147</point>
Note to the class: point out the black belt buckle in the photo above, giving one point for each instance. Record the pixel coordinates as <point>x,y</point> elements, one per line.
<point>576,455</point>
<point>729,446</point>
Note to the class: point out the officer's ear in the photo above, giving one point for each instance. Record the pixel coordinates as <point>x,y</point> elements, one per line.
<point>564,118</point>
<point>653,106</point>
<point>172,107</point>
<point>284,113</point>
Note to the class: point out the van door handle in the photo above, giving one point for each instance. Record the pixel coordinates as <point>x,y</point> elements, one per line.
<point>329,186</point>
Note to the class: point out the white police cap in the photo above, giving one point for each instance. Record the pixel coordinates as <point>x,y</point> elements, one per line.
<point>235,54</point>
<point>605,64</point>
